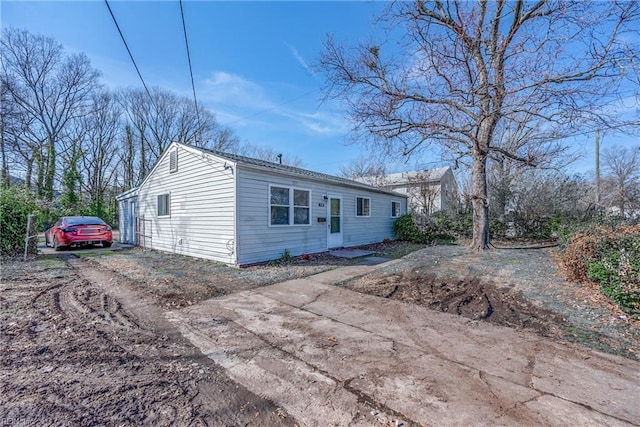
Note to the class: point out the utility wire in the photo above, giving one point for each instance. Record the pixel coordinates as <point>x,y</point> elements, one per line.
<point>153,102</point>
<point>129,51</point>
<point>186,42</point>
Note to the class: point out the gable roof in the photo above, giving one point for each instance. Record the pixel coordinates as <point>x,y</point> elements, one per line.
<point>263,165</point>
<point>258,164</point>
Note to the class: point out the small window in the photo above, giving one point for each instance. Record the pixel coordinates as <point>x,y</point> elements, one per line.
<point>363,206</point>
<point>163,205</point>
<point>289,206</point>
<point>395,209</point>
<point>173,160</point>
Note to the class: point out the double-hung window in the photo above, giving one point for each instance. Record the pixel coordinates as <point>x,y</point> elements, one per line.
<point>164,206</point>
<point>363,206</point>
<point>289,206</point>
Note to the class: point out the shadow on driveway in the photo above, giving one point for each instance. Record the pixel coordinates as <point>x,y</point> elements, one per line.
<point>44,250</point>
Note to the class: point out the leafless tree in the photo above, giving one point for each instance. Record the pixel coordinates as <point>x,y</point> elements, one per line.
<point>98,164</point>
<point>621,166</point>
<point>370,170</point>
<point>50,88</point>
<point>155,122</point>
<point>466,70</point>
<point>423,193</point>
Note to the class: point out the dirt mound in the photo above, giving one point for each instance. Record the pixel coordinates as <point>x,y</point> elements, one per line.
<point>468,297</point>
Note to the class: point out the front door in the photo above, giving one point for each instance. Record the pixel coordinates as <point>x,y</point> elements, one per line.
<point>334,223</point>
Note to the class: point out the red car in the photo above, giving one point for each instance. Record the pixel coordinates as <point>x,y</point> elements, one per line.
<point>78,231</point>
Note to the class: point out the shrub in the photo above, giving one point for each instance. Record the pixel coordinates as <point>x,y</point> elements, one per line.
<point>611,257</point>
<point>422,229</point>
<point>16,203</point>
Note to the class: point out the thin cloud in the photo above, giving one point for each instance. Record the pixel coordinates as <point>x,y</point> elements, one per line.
<point>300,59</point>
<point>230,89</point>
<point>241,102</point>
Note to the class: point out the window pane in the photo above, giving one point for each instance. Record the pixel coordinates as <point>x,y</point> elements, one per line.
<point>335,207</point>
<point>335,224</point>
<point>300,198</point>
<point>279,215</point>
<point>395,209</point>
<point>163,205</point>
<point>279,196</point>
<point>362,206</point>
<point>301,215</point>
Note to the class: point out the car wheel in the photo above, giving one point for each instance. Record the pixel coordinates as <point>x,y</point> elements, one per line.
<point>106,244</point>
<point>56,246</point>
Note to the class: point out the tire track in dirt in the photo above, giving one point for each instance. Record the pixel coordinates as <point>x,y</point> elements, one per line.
<point>80,348</point>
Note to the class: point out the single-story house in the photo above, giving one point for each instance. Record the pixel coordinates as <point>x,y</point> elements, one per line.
<point>239,210</point>
<point>428,191</point>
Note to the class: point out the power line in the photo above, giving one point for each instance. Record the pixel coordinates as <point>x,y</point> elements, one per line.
<point>186,42</point>
<point>129,51</point>
<point>153,102</point>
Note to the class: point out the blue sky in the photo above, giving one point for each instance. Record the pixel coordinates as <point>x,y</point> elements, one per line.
<point>250,63</point>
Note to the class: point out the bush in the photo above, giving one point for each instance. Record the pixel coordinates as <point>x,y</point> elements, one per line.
<point>611,257</point>
<point>422,229</point>
<point>16,203</point>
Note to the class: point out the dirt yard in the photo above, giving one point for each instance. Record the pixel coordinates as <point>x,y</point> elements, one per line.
<point>509,287</point>
<point>85,340</point>
<point>82,347</point>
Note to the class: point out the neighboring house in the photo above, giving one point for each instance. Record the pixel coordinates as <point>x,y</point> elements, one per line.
<point>428,191</point>
<point>238,210</point>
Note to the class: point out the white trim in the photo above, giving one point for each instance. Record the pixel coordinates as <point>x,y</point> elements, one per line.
<point>339,237</point>
<point>168,205</point>
<point>291,206</point>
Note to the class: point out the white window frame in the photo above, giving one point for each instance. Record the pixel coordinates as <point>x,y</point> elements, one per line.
<point>393,211</point>
<point>168,205</point>
<point>173,160</point>
<point>368,215</point>
<point>291,206</point>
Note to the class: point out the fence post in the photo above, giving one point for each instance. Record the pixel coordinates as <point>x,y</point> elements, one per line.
<point>27,237</point>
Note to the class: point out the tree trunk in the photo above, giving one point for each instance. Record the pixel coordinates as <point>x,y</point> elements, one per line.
<point>51,170</point>
<point>5,167</point>
<point>28,174</point>
<point>40,172</point>
<point>480,202</point>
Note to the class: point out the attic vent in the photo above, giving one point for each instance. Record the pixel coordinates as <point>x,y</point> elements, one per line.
<point>173,161</point>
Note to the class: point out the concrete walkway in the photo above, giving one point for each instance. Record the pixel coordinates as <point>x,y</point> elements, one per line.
<point>330,356</point>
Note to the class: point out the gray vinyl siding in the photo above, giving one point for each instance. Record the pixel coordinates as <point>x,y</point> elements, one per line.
<point>258,241</point>
<point>202,207</point>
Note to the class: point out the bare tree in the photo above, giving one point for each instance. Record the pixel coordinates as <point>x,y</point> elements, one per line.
<point>51,88</point>
<point>154,123</point>
<point>423,193</point>
<point>98,165</point>
<point>467,70</point>
<point>622,174</point>
<point>369,170</point>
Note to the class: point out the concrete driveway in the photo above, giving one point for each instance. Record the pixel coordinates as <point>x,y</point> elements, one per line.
<point>330,356</point>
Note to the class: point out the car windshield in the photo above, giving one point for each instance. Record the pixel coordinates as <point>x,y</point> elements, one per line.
<point>85,220</point>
